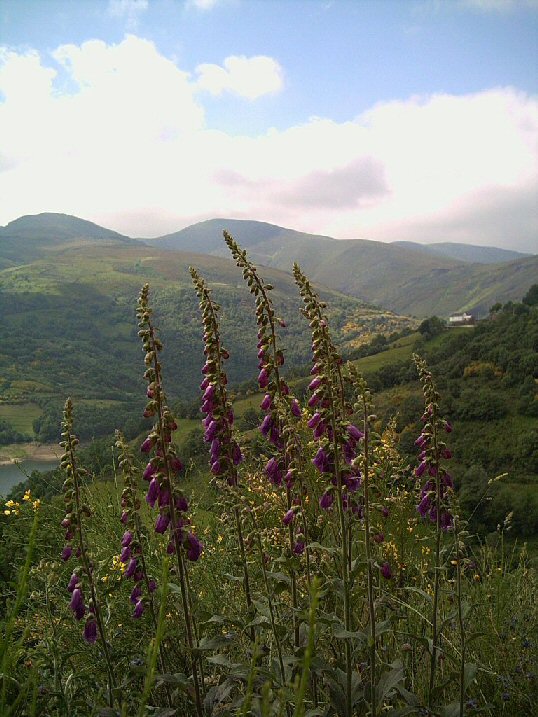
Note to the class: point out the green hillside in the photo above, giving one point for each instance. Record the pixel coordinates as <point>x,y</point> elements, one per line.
<point>467,252</point>
<point>407,279</point>
<point>69,327</point>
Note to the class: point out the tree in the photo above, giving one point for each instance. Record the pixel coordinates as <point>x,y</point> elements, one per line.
<point>531,297</point>
<point>432,327</point>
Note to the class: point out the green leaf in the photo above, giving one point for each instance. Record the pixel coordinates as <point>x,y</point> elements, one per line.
<point>388,681</point>
<point>213,643</point>
<point>469,673</point>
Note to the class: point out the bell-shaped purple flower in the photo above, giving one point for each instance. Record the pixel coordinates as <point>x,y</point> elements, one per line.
<point>299,546</point>
<point>147,445</point>
<point>153,492</point>
<point>267,402</point>
<point>136,593</point>
<point>266,425</point>
<point>90,630</point>
<point>326,500</point>
<point>421,469</point>
<point>77,604</point>
<point>127,538</point>
<point>125,554</point>
<point>139,609</point>
<point>321,460</point>
<point>288,517</point>
<point>295,408</point>
<point>313,422</point>
<point>67,552</point>
<point>386,571</point>
<point>149,471</point>
<point>263,378</point>
<point>163,521</point>
<point>314,383</point>
<point>354,432</point>
<point>73,582</point>
<point>194,547</point>
<point>131,568</point>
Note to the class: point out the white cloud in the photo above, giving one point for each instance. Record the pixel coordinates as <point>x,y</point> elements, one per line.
<point>502,6</point>
<point>249,77</point>
<point>127,147</point>
<point>203,4</point>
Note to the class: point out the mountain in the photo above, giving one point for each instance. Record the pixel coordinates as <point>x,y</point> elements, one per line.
<point>407,279</point>
<point>31,236</point>
<point>467,252</point>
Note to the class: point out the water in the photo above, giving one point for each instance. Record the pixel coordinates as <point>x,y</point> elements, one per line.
<point>14,473</point>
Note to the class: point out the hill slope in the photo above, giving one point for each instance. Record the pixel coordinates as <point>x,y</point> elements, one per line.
<point>467,252</point>
<point>32,236</point>
<point>407,279</point>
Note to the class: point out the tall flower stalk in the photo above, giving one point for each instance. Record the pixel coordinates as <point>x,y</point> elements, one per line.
<point>83,577</point>
<point>436,493</point>
<point>282,413</point>
<point>225,453</point>
<point>161,471</point>
<point>337,442</point>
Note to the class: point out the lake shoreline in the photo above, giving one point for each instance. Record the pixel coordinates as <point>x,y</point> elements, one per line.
<point>18,452</point>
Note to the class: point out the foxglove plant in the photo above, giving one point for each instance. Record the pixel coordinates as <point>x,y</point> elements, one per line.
<point>337,441</point>
<point>162,471</point>
<point>133,537</point>
<point>225,453</point>
<point>282,414</point>
<point>83,576</point>
<point>436,491</point>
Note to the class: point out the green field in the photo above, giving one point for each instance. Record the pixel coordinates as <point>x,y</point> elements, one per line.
<point>20,416</point>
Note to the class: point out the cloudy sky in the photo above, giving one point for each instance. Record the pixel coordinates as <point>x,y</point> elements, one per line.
<point>374,119</point>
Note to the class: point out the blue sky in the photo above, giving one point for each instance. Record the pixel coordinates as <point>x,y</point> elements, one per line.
<point>404,119</point>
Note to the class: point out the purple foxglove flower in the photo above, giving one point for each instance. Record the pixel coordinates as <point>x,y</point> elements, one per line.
<point>216,468</point>
<point>446,520</point>
<point>237,455</point>
<point>289,478</point>
<point>209,393</point>
<point>152,586</point>
<point>326,500</point>
<point>136,593</point>
<point>149,471</point>
<point>420,469</point>
<point>195,547</point>
<point>73,582</point>
<point>263,378</point>
<point>125,554</point>
<point>320,429</point>
<point>448,427</point>
<point>90,630</point>
<point>164,498</point>
<point>284,388</point>
<point>205,383</point>
<point>261,353</point>
<point>313,422</point>
<point>315,369</point>
<point>353,483</point>
<point>124,517</point>
<point>163,521</point>
<point>447,454</point>
<point>77,603</point>
<point>432,470</point>
<point>182,504</point>
<point>424,505</point>
<point>295,408</point>
<point>321,460</point>
<point>266,425</point>
<point>349,452</point>
<point>314,400</point>
<point>175,464</point>
<point>314,383</point>
<point>215,449</point>
<point>127,538</point>
<point>208,367</point>
<point>153,492</point>
<point>65,523</point>
<point>298,548</point>
<point>421,440</point>
<point>131,568</point>
<point>67,552</point>
<point>288,517</point>
<point>386,571</point>
<point>211,431</point>
<point>379,538</point>
<point>207,407</point>
<point>170,548</point>
<point>272,469</point>
<point>139,609</point>
<point>147,445</point>
<point>354,432</point>
<point>385,512</point>
<point>267,402</point>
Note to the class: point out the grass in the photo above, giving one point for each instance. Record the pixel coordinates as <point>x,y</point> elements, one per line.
<point>21,416</point>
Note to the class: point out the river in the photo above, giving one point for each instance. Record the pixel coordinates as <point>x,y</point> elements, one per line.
<point>13,473</point>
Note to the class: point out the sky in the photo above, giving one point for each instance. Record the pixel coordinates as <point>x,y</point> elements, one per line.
<point>365,119</point>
